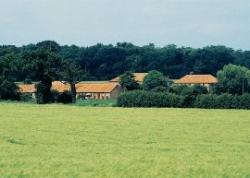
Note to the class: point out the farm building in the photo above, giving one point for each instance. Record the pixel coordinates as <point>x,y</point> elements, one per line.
<point>85,90</point>
<point>29,89</point>
<point>60,86</point>
<point>106,90</point>
<point>139,77</point>
<point>206,80</point>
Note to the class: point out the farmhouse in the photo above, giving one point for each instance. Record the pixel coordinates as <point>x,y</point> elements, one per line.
<point>139,77</point>
<point>84,90</point>
<point>28,89</point>
<point>106,90</point>
<point>206,80</point>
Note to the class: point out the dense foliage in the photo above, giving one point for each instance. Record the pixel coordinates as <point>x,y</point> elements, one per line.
<point>103,62</point>
<point>8,90</point>
<point>64,97</point>
<point>224,101</point>
<point>155,81</point>
<point>128,82</point>
<point>189,92</point>
<point>151,99</point>
<point>233,79</point>
<point>47,61</point>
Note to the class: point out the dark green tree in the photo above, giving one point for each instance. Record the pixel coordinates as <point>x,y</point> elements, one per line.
<point>8,90</point>
<point>128,82</point>
<point>104,62</point>
<point>44,94</point>
<point>153,80</point>
<point>46,66</point>
<point>234,79</point>
<point>72,74</point>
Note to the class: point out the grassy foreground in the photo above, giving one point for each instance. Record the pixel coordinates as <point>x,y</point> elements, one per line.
<point>70,141</point>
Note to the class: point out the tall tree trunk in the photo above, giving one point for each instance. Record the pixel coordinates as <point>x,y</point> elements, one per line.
<point>73,91</point>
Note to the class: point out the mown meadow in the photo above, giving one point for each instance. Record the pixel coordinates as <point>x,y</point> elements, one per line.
<point>73,141</point>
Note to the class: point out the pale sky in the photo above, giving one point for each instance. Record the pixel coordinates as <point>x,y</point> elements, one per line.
<point>194,23</point>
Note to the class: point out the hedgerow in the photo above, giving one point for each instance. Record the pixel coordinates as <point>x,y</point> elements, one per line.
<point>157,99</point>
<point>149,99</point>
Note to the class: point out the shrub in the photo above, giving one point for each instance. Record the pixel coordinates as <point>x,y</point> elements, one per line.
<point>26,97</point>
<point>149,99</point>
<point>189,93</point>
<point>207,101</point>
<point>177,89</point>
<point>160,89</point>
<point>204,101</point>
<point>54,94</point>
<point>244,101</point>
<point>65,97</point>
<point>8,90</point>
<point>188,90</point>
<point>224,101</point>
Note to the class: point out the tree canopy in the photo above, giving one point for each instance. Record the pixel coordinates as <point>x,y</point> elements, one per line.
<point>234,79</point>
<point>155,81</point>
<point>47,61</point>
<point>127,81</point>
<point>104,62</point>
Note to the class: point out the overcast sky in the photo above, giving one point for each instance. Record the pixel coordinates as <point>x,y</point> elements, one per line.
<point>194,23</point>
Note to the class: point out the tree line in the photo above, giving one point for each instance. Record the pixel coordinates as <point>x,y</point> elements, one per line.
<point>47,61</point>
<point>103,62</point>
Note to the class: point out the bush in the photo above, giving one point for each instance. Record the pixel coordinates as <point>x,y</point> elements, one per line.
<point>26,97</point>
<point>65,97</point>
<point>149,99</point>
<point>189,93</point>
<point>188,90</point>
<point>224,101</point>
<point>8,90</point>
<point>160,89</point>
<point>244,101</point>
<point>54,94</point>
<point>206,101</point>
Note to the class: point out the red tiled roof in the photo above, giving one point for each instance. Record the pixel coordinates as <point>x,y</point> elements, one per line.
<point>197,79</point>
<point>80,87</point>
<point>60,86</point>
<point>95,87</point>
<point>27,88</point>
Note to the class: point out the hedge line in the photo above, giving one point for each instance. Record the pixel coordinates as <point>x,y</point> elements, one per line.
<point>151,99</point>
<point>224,101</point>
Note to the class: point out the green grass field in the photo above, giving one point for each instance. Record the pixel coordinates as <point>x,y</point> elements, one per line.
<point>60,141</point>
<point>96,103</point>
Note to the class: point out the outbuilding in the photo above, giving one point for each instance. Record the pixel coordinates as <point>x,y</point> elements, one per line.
<point>206,80</point>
